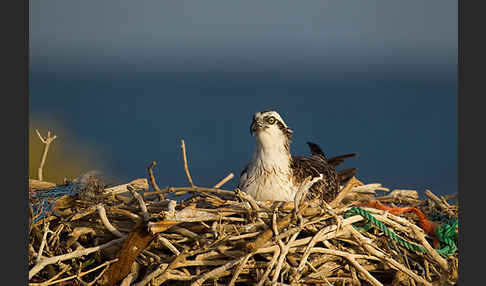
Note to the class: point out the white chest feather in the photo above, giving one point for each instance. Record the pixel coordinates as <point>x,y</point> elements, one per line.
<point>269,176</point>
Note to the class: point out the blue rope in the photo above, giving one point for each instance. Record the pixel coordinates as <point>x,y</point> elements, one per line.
<point>48,198</point>
<point>58,191</point>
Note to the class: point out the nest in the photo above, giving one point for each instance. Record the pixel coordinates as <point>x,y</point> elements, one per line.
<point>120,236</point>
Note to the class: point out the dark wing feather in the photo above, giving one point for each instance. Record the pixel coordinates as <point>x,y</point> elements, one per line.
<point>338,160</point>
<point>345,175</point>
<point>328,188</point>
<point>316,150</point>
<point>334,161</point>
<point>244,170</point>
<point>241,180</point>
<point>325,189</point>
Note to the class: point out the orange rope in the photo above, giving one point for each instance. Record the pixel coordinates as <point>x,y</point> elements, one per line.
<point>427,225</point>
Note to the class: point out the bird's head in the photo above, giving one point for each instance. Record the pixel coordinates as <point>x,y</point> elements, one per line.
<point>269,128</point>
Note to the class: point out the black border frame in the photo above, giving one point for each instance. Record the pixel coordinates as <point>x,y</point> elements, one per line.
<point>15,87</point>
<point>470,143</point>
<point>15,90</point>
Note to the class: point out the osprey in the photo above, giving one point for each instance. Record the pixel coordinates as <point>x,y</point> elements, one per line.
<point>274,174</point>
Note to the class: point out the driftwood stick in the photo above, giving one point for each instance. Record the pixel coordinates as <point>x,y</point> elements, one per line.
<point>451,196</point>
<point>168,244</point>
<point>353,182</point>
<point>43,243</point>
<point>351,258</point>
<point>78,253</point>
<point>79,275</point>
<point>136,218</point>
<point>284,249</point>
<point>314,240</point>
<point>372,250</point>
<point>245,197</point>
<point>276,255</point>
<point>141,202</point>
<point>242,236</point>
<point>151,176</point>
<point>76,233</point>
<point>106,222</point>
<point>331,211</point>
<point>302,192</point>
<point>162,276</point>
<point>135,243</point>
<point>38,185</point>
<point>186,167</point>
<point>223,181</point>
<point>171,207</point>
<point>438,202</point>
<point>191,189</point>
<point>162,267</point>
<point>355,256</point>
<point>55,236</point>
<point>324,234</point>
<point>331,234</point>
<point>47,142</point>
<point>87,212</point>
<point>160,226</point>
<point>102,272</point>
<point>96,268</point>
<point>138,184</point>
<point>369,188</point>
<point>169,275</point>
<point>238,270</point>
<point>405,194</point>
<point>53,280</point>
<point>127,281</point>
<point>430,250</point>
<point>263,238</point>
<point>216,272</point>
<point>355,277</point>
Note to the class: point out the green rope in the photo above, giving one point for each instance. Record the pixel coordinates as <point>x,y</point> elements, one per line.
<point>387,231</point>
<point>361,226</point>
<point>445,233</point>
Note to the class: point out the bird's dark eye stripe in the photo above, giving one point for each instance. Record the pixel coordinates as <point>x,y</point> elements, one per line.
<point>270,119</point>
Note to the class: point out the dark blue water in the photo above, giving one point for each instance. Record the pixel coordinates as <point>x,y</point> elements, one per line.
<point>403,127</point>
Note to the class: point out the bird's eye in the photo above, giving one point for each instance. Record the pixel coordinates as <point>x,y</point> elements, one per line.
<point>271,120</point>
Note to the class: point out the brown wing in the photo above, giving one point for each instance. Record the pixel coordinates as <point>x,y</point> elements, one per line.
<point>343,175</point>
<point>338,160</point>
<point>328,188</point>
<point>325,189</point>
<point>334,161</point>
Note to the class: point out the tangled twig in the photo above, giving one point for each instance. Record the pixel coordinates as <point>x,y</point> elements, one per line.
<point>47,142</point>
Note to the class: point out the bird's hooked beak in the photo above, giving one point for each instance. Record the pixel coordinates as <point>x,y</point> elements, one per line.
<point>255,126</point>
